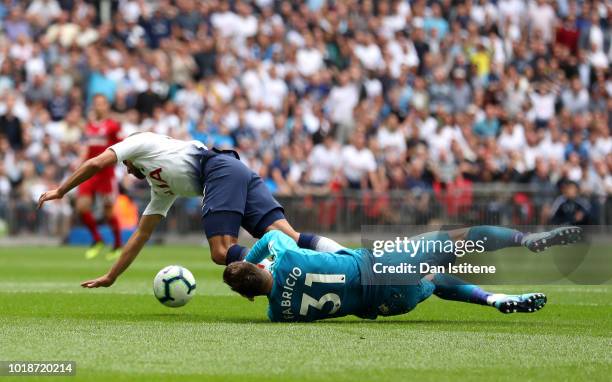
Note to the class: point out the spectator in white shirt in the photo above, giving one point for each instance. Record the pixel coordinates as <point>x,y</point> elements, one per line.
<point>64,31</point>
<point>246,22</point>
<point>359,164</point>
<point>324,161</point>
<point>42,12</point>
<point>225,21</point>
<point>342,100</point>
<point>543,100</point>
<point>512,10</point>
<point>260,119</point>
<point>483,11</point>
<point>252,81</point>
<point>392,20</point>
<point>402,53</point>
<point>542,19</point>
<point>309,58</point>
<point>512,137</point>
<point>575,98</point>
<point>274,89</point>
<point>391,137</point>
<point>368,52</point>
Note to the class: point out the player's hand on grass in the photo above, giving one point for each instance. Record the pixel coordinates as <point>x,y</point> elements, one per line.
<point>49,195</point>
<point>103,281</point>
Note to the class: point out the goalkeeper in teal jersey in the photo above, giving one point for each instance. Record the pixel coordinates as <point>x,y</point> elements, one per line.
<point>307,285</point>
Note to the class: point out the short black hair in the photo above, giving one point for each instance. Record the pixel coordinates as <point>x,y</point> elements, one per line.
<point>245,278</point>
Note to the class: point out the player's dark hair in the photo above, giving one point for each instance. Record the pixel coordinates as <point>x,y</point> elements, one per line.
<point>245,278</point>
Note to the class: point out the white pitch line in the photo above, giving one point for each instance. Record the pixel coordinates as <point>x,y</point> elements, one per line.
<point>44,287</point>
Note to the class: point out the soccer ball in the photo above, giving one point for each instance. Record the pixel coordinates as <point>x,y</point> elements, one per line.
<point>174,286</point>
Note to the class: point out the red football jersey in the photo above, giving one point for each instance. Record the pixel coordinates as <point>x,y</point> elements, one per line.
<point>99,136</point>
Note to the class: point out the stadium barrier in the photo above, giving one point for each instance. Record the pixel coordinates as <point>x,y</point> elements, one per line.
<point>341,212</point>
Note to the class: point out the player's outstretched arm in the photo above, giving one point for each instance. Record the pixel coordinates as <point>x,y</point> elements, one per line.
<point>130,251</point>
<point>85,171</point>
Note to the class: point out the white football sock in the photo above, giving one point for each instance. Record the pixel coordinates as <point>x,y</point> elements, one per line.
<point>328,245</point>
<point>494,297</point>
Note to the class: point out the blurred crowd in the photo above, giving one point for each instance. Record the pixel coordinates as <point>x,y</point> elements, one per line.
<point>319,96</point>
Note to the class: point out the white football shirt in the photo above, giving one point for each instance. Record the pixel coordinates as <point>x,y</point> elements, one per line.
<point>172,167</point>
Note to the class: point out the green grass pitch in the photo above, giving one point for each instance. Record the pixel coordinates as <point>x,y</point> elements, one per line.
<point>124,334</point>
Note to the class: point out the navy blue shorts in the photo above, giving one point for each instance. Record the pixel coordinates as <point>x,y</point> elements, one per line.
<point>235,196</point>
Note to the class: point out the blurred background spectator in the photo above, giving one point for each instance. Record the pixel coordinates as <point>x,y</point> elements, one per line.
<point>392,96</point>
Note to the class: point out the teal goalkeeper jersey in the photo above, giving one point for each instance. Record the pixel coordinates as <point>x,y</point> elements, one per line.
<point>309,285</point>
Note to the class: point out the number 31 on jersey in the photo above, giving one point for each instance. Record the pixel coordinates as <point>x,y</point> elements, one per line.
<point>308,301</point>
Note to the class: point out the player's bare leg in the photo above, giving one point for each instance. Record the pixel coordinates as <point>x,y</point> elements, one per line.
<point>113,221</point>
<point>224,249</point>
<point>306,240</point>
<point>83,207</point>
<point>220,245</point>
<point>284,226</point>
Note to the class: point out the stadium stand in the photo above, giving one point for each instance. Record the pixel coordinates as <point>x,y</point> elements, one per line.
<point>389,111</point>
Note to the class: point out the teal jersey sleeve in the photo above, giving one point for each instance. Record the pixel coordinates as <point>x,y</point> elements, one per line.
<point>273,243</point>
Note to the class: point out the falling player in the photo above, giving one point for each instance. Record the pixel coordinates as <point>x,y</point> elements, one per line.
<point>100,133</point>
<point>233,196</point>
<point>305,285</point>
